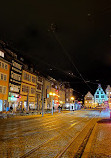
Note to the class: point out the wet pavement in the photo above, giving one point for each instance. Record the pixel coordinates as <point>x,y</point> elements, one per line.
<point>36,136</point>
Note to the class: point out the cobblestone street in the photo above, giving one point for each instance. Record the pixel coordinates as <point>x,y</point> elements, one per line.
<point>36,136</point>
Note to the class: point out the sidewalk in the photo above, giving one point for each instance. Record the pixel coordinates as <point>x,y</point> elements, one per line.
<point>8,114</point>
<point>99,144</point>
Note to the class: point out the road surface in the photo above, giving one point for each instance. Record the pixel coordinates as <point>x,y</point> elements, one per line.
<point>48,136</point>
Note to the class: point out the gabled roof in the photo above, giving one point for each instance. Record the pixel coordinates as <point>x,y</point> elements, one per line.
<point>89,95</point>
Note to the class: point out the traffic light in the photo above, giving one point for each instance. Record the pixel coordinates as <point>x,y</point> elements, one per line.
<point>44,100</point>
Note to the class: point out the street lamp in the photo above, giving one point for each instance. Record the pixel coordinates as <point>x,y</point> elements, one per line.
<point>72,98</point>
<point>52,94</point>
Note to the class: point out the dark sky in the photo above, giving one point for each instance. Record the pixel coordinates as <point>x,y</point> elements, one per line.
<point>83,29</point>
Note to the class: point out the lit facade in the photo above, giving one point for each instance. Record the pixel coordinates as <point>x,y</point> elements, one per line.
<point>4,82</point>
<point>58,93</point>
<point>28,91</point>
<point>39,92</point>
<point>100,97</point>
<point>62,97</point>
<point>108,93</point>
<point>14,84</point>
<point>68,100</point>
<point>89,100</point>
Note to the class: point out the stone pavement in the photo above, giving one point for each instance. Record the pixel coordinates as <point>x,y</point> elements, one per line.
<point>99,144</point>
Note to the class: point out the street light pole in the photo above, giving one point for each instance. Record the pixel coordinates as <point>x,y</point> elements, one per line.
<point>42,103</point>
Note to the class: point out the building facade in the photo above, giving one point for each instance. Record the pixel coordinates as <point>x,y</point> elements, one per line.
<point>28,91</point>
<point>100,97</point>
<point>39,92</point>
<point>14,84</point>
<point>4,82</point>
<point>54,94</point>
<point>62,96</point>
<point>68,100</point>
<point>108,93</point>
<point>89,100</point>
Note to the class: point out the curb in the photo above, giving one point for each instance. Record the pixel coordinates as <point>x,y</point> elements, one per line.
<point>89,144</point>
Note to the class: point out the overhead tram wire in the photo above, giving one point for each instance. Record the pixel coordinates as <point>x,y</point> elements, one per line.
<point>54,67</point>
<point>52,29</point>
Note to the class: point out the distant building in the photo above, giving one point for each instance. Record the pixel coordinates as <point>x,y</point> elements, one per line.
<point>28,90</point>
<point>100,97</point>
<point>89,100</point>
<point>108,93</point>
<point>39,92</point>
<point>54,93</point>
<point>69,94</point>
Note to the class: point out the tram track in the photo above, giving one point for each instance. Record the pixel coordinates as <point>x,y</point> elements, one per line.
<point>80,150</point>
<point>63,133</point>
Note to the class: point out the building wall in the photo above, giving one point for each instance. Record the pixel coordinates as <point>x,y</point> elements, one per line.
<point>89,100</point>
<point>46,90</point>
<point>28,90</point>
<point>69,94</point>
<point>100,97</point>
<point>108,93</point>
<point>39,92</point>
<point>15,83</point>
<point>4,83</point>
<point>62,97</point>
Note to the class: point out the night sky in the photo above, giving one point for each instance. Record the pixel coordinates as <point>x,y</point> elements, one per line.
<point>81,43</point>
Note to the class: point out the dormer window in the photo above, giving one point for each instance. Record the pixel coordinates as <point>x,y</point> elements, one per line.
<point>2,54</point>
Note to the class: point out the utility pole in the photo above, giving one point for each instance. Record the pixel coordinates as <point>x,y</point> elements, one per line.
<point>42,101</point>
